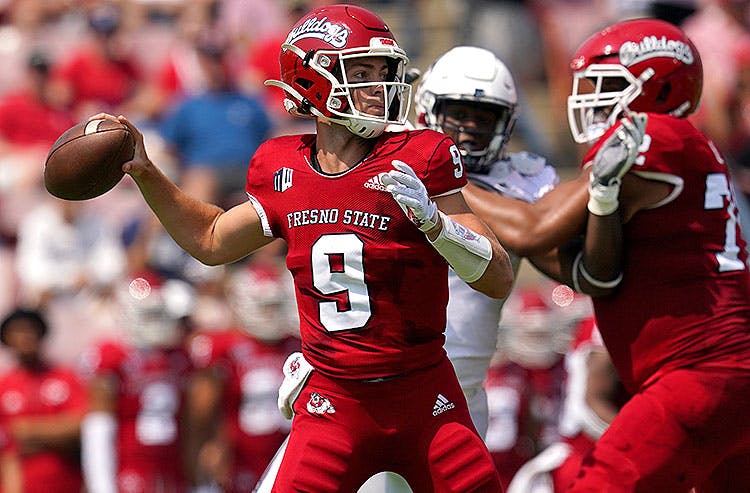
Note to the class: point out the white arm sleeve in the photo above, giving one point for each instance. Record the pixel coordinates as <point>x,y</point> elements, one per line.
<point>99,458</point>
<point>467,252</point>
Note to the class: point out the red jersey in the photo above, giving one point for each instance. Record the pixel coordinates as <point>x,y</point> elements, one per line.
<point>371,290</point>
<point>27,121</point>
<point>44,393</point>
<point>524,404</point>
<point>151,385</point>
<point>97,79</point>
<point>251,374</point>
<point>685,296</point>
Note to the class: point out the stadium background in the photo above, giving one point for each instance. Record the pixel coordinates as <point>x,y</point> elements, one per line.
<point>72,259</point>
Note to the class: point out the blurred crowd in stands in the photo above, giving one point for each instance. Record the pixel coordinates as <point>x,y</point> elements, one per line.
<point>190,73</point>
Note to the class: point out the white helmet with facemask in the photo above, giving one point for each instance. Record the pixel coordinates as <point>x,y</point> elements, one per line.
<point>471,75</point>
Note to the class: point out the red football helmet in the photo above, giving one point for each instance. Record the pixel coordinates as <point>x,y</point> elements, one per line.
<point>313,75</point>
<point>644,65</point>
<point>532,332</point>
<point>263,301</point>
<point>151,309</point>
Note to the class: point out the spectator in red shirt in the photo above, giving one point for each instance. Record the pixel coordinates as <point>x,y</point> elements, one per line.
<point>41,406</point>
<point>31,119</point>
<point>100,73</point>
<point>33,115</point>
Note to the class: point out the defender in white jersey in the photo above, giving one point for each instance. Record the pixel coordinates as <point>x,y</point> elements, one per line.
<point>469,95</point>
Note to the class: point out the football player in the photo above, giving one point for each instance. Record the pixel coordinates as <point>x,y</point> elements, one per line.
<point>132,434</point>
<point>525,380</point>
<point>372,220</point>
<point>240,368</point>
<point>665,258</point>
<point>469,95</point>
<point>593,396</point>
<point>663,246</point>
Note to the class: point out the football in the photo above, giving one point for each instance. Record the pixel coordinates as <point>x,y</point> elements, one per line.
<point>86,160</point>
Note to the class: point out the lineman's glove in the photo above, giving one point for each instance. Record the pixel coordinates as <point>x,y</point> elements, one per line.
<point>411,195</point>
<point>613,159</point>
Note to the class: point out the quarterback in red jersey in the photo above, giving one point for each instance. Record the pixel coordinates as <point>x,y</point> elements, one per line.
<point>372,220</point>
<point>665,259</point>
<point>41,407</point>
<point>131,436</point>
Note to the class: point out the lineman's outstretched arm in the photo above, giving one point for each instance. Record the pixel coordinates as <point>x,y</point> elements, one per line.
<point>597,268</point>
<point>207,232</point>
<point>529,229</point>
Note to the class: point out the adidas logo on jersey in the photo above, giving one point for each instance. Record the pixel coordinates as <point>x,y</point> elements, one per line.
<point>441,405</point>
<point>374,183</point>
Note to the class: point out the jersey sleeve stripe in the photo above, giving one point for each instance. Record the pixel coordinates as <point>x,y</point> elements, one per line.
<point>677,183</point>
<point>449,192</point>
<point>262,215</point>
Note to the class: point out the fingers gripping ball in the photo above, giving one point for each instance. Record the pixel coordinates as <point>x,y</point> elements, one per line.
<point>86,161</point>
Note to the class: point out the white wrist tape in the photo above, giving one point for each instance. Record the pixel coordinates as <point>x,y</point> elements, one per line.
<point>604,199</point>
<point>579,267</point>
<point>467,252</point>
<point>98,452</point>
<point>591,424</point>
<point>433,220</point>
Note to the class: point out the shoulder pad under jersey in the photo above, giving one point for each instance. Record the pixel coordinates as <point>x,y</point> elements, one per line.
<point>527,163</point>
<point>523,176</point>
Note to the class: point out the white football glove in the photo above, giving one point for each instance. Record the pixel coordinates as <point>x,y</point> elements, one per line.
<point>411,195</point>
<point>613,159</point>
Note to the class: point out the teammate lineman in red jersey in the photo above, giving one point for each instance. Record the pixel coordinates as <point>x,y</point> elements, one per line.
<point>664,255</point>
<point>678,323</point>
<point>372,220</point>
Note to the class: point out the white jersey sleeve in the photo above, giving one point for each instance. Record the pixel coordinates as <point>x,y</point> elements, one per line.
<point>471,332</point>
<point>472,325</point>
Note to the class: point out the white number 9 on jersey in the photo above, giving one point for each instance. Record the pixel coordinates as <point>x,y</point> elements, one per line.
<point>347,277</point>
<point>458,171</point>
